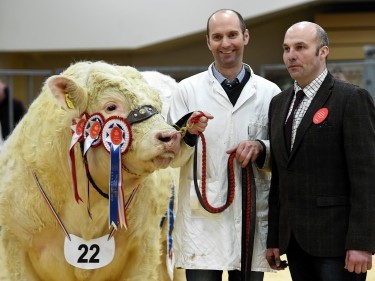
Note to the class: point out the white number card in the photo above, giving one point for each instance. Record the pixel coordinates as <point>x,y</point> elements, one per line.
<point>89,254</point>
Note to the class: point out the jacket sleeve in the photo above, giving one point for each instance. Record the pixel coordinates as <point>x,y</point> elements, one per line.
<point>273,200</point>
<point>359,147</point>
<point>263,160</point>
<point>179,109</point>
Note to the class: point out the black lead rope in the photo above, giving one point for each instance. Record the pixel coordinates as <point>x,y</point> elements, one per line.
<point>247,237</point>
<point>97,188</point>
<point>89,177</point>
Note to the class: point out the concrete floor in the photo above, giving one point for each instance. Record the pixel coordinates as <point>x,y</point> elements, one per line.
<point>284,275</point>
<point>279,276</point>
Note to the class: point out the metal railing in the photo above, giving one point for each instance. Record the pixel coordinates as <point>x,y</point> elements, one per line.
<point>9,75</point>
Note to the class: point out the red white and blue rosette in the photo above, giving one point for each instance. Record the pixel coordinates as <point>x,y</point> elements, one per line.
<point>116,138</point>
<point>78,125</point>
<point>92,131</point>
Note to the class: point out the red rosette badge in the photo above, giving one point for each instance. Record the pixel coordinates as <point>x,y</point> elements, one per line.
<point>116,134</point>
<point>77,129</point>
<point>92,131</point>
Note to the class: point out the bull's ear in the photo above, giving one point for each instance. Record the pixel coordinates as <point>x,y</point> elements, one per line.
<point>68,93</point>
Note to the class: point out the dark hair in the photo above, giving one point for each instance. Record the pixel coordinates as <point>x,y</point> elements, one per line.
<point>240,18</point>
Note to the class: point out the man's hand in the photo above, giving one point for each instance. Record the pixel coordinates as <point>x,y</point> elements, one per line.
<point>196,125</point>
<point>273,258</point>
<point>358,261</point>
<point>246,151</point>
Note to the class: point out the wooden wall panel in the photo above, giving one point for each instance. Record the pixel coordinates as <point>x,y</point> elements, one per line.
<point>346,20</point>
<point>348,34</point>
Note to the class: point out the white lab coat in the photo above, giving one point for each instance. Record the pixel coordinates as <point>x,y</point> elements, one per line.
<point>203,240</point>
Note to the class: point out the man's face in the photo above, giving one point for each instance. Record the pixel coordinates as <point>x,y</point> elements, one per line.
<point>226,40</point>
<point>303,57</point>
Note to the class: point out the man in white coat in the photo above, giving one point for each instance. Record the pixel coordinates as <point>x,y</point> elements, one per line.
<point>207,238</point>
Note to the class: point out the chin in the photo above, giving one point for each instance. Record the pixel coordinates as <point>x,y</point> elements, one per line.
<point>150,165</point>
<point>161,162</point>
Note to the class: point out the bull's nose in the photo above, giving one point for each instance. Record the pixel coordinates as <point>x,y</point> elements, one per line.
<point>171,139</point>
<point>168,136</point>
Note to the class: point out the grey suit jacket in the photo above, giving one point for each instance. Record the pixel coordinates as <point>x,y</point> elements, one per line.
<point>324,190</point>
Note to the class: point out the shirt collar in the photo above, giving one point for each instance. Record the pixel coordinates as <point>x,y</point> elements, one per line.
<point>219,77</point>
<point>311,89</point>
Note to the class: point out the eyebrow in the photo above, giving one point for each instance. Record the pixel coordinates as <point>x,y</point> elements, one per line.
<point>298,43</point>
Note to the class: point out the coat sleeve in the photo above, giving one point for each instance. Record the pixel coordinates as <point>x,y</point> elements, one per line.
<point>359,147</point>
<point>179,108</point>
<point>263,160</point>
<point>273,199</point>
<point>265,163</point>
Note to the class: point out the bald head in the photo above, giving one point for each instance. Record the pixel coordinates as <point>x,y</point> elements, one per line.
<point>226,13</point>
<point>305,51</point>
<point>312,29</point>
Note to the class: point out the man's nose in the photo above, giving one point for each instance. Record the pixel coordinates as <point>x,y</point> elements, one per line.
<point>291,55</point>
<point>225,41</point>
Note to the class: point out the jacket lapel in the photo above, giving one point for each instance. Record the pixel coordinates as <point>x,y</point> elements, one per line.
<point>280,119</point>
<point>317,103</point>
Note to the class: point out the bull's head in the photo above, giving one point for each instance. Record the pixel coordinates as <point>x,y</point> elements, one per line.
<point>117,97</point>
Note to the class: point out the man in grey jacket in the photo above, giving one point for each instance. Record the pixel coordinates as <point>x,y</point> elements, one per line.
<point>322,211</point>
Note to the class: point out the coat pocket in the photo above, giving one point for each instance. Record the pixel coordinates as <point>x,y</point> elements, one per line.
<point>257,130</point>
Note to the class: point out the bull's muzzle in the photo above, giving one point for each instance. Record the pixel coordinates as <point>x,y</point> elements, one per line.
<point>170,139</point>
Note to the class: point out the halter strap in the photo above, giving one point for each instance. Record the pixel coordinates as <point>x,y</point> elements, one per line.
<point>141,113</point>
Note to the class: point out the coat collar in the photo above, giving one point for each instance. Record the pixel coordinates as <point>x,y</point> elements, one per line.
<point>317,103</point>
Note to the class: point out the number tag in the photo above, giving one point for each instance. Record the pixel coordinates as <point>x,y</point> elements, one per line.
<point>89,254</point>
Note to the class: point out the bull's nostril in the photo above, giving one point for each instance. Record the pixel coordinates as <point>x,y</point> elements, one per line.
<point>165,139</point>
<point>168,137</point>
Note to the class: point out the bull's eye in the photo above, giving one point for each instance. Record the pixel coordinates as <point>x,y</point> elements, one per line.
<point>111,107</point>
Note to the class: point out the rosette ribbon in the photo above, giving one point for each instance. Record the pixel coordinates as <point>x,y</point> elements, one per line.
<point>116,137</point>
<point>77,127</point>
<point>92,132</point>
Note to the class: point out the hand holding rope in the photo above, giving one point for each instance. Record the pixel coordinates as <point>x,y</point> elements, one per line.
<point>197,122</point>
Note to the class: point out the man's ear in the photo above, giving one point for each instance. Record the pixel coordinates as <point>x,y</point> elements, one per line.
<point>324,51</point>
<point>246,37</point>
<point>208,42</point>
<point>68,93</point>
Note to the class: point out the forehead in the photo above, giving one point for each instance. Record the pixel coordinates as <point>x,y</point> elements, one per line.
<point>222,22</point>
<point>300,34</point>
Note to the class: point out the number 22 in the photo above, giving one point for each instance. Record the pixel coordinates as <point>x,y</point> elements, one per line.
<point>85,248</point>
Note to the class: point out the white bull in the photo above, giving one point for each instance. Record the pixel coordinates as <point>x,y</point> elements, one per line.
<point>1,139</point>
<point>165,84</point>
<point>39,245</point>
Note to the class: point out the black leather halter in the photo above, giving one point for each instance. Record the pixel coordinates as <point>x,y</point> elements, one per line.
<point>141,113</point>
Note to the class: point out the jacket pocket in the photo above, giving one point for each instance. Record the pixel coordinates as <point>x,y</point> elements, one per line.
<point>327,201</point>
<point>257,130</point>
